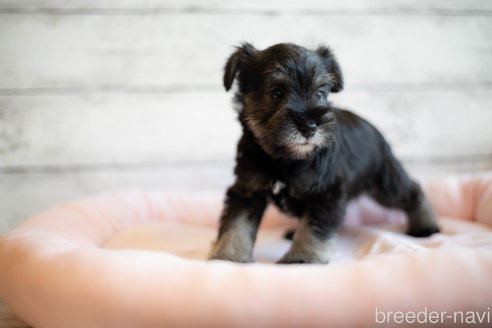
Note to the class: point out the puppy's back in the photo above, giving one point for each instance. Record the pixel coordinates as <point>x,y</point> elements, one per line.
<point>361,149</point>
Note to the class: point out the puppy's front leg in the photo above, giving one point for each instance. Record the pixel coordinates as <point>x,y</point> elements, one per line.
<point>314,238</point>
<point>238,226</point>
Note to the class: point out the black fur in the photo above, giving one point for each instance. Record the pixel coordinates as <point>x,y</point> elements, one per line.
<point>305,155</point>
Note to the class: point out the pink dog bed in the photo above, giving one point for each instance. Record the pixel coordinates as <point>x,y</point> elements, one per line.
<point>136,260</point>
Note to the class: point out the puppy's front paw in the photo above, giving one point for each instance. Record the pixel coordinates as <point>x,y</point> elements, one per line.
<point>292,258</point>
<point>227,250</point>
<point>231,257</point>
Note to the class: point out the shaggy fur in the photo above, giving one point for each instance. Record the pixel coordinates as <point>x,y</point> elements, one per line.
<point>304,155</point>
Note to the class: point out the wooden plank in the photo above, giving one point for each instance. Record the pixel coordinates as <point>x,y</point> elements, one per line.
<point>427,124</point>
<point>25,194</point>
<point>176,128</point>
<point>272,6</point>
<point>148,52</point>
<point>46,130</point>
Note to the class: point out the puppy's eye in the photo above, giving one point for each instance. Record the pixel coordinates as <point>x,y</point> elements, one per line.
<point>277,93</point>
<point>321,94</point>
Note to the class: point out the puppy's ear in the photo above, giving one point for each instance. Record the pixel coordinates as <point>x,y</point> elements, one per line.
<point>332,66</point>
<point>234,63</point>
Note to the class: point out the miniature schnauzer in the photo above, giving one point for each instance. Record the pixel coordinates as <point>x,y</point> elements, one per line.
<point>305,156</point>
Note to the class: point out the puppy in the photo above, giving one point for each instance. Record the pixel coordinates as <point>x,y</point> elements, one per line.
<point>304,155</point>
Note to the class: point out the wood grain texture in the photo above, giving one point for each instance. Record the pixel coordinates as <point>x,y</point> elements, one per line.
<point>270,7</point>
<point>175,51</point>
<point>176,128</point>
<point>126,94</point>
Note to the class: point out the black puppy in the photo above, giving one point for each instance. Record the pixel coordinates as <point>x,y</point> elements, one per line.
<point>304,155</point>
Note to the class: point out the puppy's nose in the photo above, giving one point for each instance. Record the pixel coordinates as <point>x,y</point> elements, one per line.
<point>308,129</point>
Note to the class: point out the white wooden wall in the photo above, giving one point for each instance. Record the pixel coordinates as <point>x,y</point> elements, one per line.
<point>126,94</point>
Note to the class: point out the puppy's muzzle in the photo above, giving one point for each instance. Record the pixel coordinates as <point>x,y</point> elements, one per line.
<point>308,121</point>
<point>307,128</point>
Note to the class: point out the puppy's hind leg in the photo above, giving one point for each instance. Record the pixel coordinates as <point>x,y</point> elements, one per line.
<point>421,219</point>
<point>395,189</point>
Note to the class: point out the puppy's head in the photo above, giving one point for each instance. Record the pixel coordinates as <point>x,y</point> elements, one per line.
<point>283,95</point>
